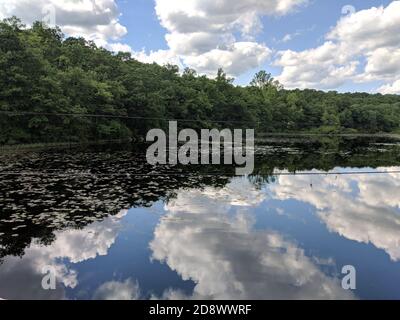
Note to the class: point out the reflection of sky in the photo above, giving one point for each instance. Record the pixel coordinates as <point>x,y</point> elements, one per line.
<point>22,278</point>
<point>288,240</point>
<point>364,208</point>
<point>216,245</point>
<point>129,260</point>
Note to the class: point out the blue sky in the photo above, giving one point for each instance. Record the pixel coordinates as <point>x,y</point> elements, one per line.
<point>315,20</point>
<point>144,29</point>
<point>303,43</point>
<point>307,27</point>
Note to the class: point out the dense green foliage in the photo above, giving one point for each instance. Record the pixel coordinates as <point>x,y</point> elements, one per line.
<point>46,75</point>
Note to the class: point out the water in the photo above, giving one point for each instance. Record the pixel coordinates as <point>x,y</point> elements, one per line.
<point>112,227</point>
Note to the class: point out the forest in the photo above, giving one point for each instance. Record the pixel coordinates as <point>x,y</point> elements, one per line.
<point>56,89</point>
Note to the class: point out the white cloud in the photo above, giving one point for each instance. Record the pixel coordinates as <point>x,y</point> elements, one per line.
<point>117,47</point>
<point>322,67</point>
<point>92,19</point>
<point>202,33</point>
<point>393,88</point>
<point>383,63</point>
<point>236,60</point>
<point>370,29</point>
<point>371,35</point>
<point>197,43</point>
<point>161,57</point>
<point>188,16</point>
<point>114,290</point>
<point>208,237</point>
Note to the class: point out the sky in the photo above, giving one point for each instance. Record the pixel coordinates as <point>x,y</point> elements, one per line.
<point>343,45</point>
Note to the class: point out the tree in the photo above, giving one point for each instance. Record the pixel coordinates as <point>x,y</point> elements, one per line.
<point>264,80</point>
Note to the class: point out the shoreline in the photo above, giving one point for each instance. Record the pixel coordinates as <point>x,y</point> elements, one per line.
<point>38,146</point>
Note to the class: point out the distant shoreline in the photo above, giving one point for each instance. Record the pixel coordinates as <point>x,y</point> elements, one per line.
<point>305,134</point>
<point>38,146</point>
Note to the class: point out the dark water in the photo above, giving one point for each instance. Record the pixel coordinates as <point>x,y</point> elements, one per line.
<point>111,226</point>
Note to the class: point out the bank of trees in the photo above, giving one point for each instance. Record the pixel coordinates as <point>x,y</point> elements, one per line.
<point>48,84</point>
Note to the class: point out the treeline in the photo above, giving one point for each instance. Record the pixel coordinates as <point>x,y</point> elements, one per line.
<point>51,88</point>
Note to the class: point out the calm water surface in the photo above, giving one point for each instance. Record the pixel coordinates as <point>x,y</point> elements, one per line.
<point>113,227</point>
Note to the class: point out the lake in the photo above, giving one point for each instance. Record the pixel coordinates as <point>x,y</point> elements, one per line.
<point>111,226</point>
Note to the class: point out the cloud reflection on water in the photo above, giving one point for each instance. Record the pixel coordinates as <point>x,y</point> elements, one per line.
<point>363,207</point>
<point>21,278</point>
<point>207,236</point>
